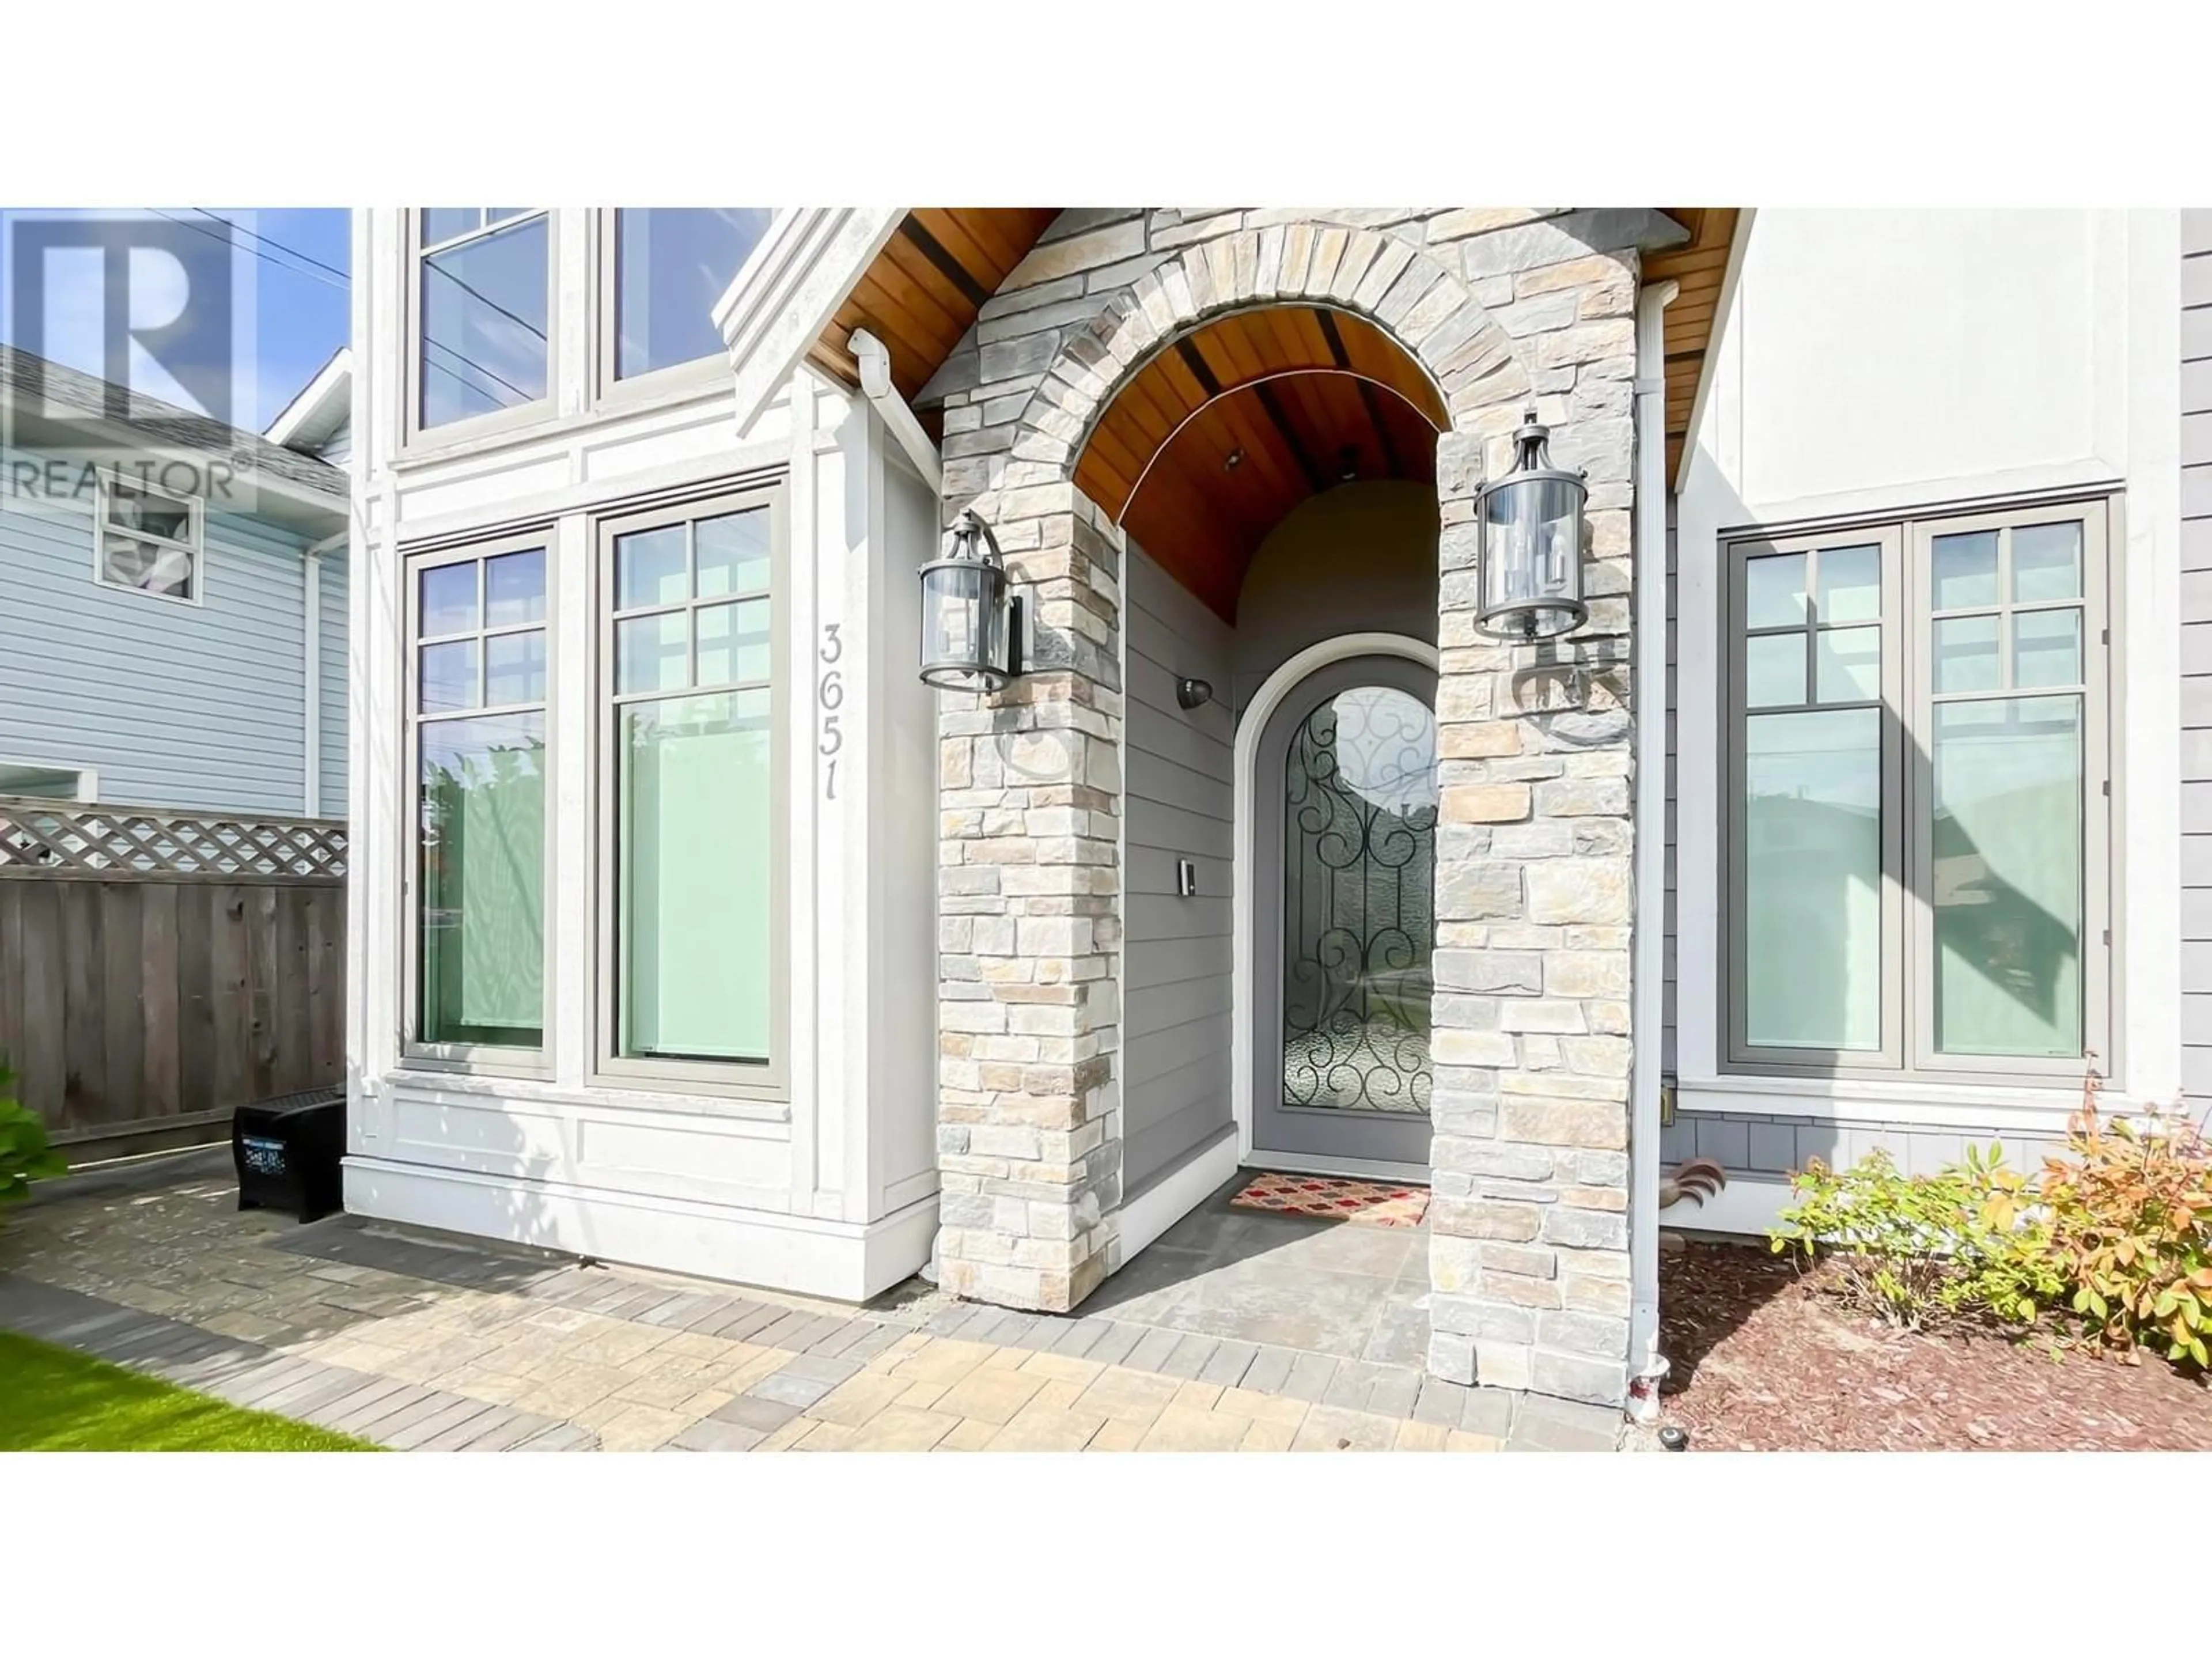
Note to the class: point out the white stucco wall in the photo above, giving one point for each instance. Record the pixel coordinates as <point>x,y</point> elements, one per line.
<point>1882,361</point>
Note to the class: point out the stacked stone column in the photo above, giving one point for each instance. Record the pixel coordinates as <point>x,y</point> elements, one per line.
<point>1502,308</point>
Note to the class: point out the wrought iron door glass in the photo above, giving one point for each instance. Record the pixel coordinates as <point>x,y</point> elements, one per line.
<point>1359,820</point>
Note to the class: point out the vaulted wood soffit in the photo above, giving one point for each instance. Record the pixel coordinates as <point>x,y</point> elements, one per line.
<point>1216,438</point>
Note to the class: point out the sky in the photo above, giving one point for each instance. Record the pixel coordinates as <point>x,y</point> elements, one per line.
<point>289,313</point>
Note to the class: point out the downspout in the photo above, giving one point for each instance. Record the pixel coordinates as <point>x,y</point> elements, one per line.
<point>311,722</point>
<point>875,361</point>
<point>1645,1363</point>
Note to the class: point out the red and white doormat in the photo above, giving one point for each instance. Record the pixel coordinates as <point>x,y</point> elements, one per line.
<point>1334,1199</point>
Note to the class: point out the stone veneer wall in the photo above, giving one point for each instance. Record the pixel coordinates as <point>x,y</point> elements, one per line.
<point>1530,1245</point>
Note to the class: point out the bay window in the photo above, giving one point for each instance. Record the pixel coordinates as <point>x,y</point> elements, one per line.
<point>692,906</point>
<point>1915,797</point>
<point>483,302</point>
<point>663,270</point>
<point>476,695</point>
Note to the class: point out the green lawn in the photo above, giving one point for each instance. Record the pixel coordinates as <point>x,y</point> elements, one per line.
<point>51,1399</point>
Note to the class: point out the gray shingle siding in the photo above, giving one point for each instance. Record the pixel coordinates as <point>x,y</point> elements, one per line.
<point>175,705</point>
<point>2196,656</point>
<point>1752,1144</point>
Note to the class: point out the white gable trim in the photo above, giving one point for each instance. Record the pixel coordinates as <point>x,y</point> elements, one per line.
<point>321,407</point>
<point>788,291</point>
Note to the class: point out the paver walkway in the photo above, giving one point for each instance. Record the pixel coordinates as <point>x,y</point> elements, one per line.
<point>423,1342</point>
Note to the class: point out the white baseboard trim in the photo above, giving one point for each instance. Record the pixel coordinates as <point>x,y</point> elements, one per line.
<point>1175,1196</point>
<point>1747,1205</point>
<point>846,1261</point>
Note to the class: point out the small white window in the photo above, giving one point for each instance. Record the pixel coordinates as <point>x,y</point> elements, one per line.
<point>147,540</point>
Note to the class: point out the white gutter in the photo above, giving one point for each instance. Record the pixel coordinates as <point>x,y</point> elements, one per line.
<point>311,606</point>
<point>875,361</point>
<point>1645,1366</point>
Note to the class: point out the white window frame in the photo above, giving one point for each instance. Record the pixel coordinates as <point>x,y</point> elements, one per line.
<point>1908,1055</point>
<point>673,382</point>
<point>195,549</point>
<point>87,793</point>
<point>490,1059</point>
<point>751,1080</point>
<point>417,438</point>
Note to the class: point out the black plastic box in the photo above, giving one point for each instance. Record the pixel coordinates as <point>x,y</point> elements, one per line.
<point>287,1151</point>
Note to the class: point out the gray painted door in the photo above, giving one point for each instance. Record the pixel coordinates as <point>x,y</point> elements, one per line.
<point>1343,889</point>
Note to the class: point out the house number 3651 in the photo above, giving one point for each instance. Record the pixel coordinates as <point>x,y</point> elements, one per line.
<point>831,695</point>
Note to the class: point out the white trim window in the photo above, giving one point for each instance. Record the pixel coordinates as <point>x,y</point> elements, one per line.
<point>693,963</point>
<point>662,272</point>
<point>1916,798</point>
<point>481,303</point>
<point>479,685</point>
<point>149,540</point>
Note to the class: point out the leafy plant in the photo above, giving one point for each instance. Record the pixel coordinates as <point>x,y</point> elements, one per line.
<point>25,1155</point>
<point>2130,1221</point>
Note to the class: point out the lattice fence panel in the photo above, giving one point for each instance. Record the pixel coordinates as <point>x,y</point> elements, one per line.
<point>62,838</point>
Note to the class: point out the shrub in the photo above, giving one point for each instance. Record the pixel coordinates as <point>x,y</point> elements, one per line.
<point>25,1156</point>
<point>1919,1250</point>
<point>2129,1225</point>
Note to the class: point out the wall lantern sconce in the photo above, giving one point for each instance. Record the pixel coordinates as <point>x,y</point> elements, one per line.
<point>970,630</point>
<point>1190,693</point>
<point>1532,544</point>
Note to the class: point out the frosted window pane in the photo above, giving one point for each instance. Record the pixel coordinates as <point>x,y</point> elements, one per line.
<point>1850,584</point>
<point>695,882</point>
<point>1774,591</point>
<point>1966,654</point>
<point>1965,570</point>
<point>482,921</point>
<point>2007,883</point>
<point>1774,669</point>
<point>1847,664</point>
<point>1812,860</point>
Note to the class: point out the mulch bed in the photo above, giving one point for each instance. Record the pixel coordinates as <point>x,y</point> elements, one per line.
<point>1764,1360</point>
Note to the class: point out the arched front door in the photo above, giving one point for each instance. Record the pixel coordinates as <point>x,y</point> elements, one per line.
<point>1344,916</point>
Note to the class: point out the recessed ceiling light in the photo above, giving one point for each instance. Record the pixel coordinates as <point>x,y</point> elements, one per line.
<point>1234,460</point>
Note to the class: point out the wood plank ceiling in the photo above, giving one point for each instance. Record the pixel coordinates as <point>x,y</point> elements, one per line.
<point>1700,265</point>
<point>1214,439</point>
<point>1292,395</point>
<point>922,292</point>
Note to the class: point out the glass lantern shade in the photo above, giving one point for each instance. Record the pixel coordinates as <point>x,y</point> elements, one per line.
<point>964,614</point>
<point>1532,542</point>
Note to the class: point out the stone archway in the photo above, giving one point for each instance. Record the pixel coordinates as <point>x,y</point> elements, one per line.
<point>1529,1254</point>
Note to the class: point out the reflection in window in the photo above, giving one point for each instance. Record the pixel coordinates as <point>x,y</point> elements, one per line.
<point>485,282</point>
<point>672,266</point>
<point>480,741</point>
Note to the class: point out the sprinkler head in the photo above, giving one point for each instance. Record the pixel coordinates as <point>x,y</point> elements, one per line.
<point>1672,1438</point>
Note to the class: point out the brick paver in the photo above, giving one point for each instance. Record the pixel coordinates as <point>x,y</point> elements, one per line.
<point>426,1344</point>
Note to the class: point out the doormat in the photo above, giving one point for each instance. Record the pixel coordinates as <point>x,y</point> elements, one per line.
<point>1374,1204</point>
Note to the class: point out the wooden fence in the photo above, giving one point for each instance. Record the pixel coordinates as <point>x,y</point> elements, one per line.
<point>158,969</point>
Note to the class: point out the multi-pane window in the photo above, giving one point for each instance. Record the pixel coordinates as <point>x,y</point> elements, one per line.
<point>668,267</point>
<point>477,683</point>
<point>691,780</point>
<point>1916,801</point>
<point>482,309</point>
<point>147,540</point>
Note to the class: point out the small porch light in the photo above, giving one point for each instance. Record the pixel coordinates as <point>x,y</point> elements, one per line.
<point>970,631</point>
<point>1532,544</point>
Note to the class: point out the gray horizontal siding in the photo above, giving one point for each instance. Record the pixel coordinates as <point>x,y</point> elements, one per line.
<point>175,705</point>
<point>1177,952</point>
<point>336,568</point>
<point>1751,1143</point>
<point>2197,657</point>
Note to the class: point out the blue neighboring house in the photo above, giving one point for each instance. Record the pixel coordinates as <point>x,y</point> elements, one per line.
<point>173,598</point>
